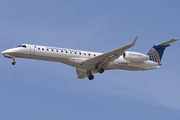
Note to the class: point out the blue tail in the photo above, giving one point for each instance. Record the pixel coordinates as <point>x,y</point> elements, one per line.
<point>156,52</point>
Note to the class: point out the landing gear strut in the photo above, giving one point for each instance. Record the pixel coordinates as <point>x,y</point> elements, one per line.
<point>13,63</point>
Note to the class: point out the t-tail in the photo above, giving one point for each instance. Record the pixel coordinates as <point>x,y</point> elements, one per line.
<point>156,52</point>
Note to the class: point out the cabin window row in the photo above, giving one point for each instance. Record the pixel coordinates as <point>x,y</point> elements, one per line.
<point>66,51</point>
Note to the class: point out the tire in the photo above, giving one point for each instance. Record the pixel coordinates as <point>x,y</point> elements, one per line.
<point>13,63</point>
<point>91,77</point>
<point>101,70</point>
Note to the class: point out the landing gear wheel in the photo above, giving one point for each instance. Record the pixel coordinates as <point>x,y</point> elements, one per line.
<point>91,77</point>
<point>101,70</point>
<point>13,63</point>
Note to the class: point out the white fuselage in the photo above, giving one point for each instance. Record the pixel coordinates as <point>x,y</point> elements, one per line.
<point>73,57</point>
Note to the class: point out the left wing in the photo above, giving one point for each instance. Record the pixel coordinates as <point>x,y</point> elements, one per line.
<point>108,57</point>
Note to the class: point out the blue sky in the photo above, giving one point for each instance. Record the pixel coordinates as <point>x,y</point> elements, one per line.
<point>51,91</point>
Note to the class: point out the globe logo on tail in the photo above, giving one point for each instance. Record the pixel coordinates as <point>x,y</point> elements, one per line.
<point>153,55</point>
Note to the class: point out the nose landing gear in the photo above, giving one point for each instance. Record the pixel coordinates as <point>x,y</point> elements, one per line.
<point>13,63</point>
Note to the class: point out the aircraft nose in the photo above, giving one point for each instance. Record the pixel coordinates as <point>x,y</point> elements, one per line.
<point>4,52</point>
<point>7,51</point>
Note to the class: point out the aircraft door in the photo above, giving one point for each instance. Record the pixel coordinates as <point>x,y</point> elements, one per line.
<point>32,49</point>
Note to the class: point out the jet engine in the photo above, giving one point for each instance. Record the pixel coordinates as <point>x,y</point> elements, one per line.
<point>135,56</point>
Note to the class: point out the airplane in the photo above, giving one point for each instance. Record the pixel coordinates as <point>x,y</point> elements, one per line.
<point>88,63</point>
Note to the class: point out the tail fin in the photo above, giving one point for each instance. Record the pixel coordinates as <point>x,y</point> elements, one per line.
<point>156,52</point>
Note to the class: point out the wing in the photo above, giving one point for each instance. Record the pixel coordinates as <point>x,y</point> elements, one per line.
<point>108,57</point>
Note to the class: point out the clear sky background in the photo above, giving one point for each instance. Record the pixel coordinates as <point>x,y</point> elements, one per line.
<point>41,90</point>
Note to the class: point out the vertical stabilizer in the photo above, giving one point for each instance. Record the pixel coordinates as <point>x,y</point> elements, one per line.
<point>156,52</point>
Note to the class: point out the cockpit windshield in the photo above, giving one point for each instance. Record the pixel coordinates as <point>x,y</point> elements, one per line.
<point>19,46</point>
<point>22,46</point>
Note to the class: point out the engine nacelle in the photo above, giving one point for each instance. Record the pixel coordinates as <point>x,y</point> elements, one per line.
<point>135,56</point>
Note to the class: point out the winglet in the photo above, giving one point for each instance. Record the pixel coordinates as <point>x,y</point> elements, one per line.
<point>134,42</point>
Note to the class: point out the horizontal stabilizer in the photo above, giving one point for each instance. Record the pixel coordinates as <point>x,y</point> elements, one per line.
<point>166,43</point>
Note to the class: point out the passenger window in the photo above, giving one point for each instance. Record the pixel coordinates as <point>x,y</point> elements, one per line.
<point>38,48</point>
<point>75,52</point>
<point>62,51</point>
<point>52,49</point>
<point>47,49</point>
<point>80,53</point>
<point>42,48</point>
<point>66,51</point>
<point>56,50</point>
<point>84,53</point>
<point>94,55</point>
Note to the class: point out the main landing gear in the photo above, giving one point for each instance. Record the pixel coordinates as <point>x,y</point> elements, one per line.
<point>100,67</point>
<point>101,70</point>
<point>13,63</point>
<point>91,77</point>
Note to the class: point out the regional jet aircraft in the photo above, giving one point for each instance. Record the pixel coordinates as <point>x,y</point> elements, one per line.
<point>88,63</point>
